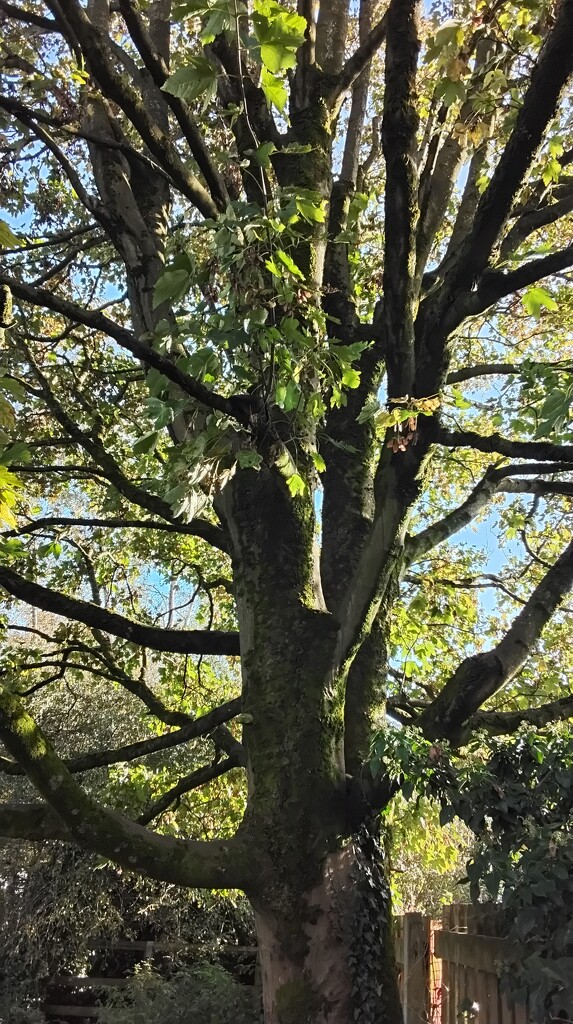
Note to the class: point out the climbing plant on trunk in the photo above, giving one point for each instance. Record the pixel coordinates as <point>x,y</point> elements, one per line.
<point>250,254</point>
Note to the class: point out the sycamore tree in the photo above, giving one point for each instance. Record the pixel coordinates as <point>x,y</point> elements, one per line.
<point>285,313</point>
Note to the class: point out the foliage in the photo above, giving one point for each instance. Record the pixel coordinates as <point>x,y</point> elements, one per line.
<point>286,449</point>
<point>56,901</point>
<point>192,995</point>
<point>428,859</point>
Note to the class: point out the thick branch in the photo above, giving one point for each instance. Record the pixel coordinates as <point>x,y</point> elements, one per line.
<point>492,482</point>
<point>351,156</point>
<point>141,350</point>
<point>104,831</point>
<point>134,751</point>
<point>35,822</point>
<point>500,723</point>
<point>12,11</point>
<point>116,88</point>
<point>159,72</point>
<point>192,781</point>
<point>214,535</point>
<point>543,450</point>
<point>185,641</point>
<point>359,60</point>
<point>542,488</point>
<point>495,284</point>
<point>498,369</point>
<point>482,675</point>
<point>39,116</point>
<point>554,66</point>
<point>546,213</point>
<point>399,126</point>
<point>331,33</point>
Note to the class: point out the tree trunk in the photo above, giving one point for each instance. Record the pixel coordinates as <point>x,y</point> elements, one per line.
<point>320,895</point>
<point>331,959</point>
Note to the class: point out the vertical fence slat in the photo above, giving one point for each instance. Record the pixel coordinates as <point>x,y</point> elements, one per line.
<point>416,970</point>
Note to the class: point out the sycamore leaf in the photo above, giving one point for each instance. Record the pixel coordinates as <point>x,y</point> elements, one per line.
<point>196,79</point>
<point>450,91</point>
<point>146,444</point>
<point>289,263</point>
<point>171,285</point>
<point>263,153</point>
<point>537,298</point>
<point>459,401</point>
<point>8,240</point>
<point>551,171</point>
<point>319,463</point>
<point>351,378</point>
<point>277,58</point>
<point>391,417</point>
<point>248,459</point>
<point>296,484</point>
<point>292,396</point>
<point>368,412</point>
<point>219,21</point>
<point>312,212</point>
<point>9,487</point>
<point>7,415</point>
<point>555,412</point>
<point>279,33</point>
<point>448,38</point>
<point>274,89</point>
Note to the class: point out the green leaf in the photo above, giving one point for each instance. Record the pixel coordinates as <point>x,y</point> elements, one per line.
<point>292,396</point>
<point>279,33</point>
<point>13,387</point>
<point>368,411</point>
<point>450,91</point>
<point>219,21</point>
<point>275,91</point>
<point>296,484</point>
<point>146,443</point>
<point>8,240</point>
<point>535,299</point>
<point>459,401</point>
<point>263,153</point>
<point>277,58</point>
<point>289,263</point>
<point>448,37</point>
<point>156,382</point>
<point>555,412</point>
<point>248,459</point>
<point>351,378</point>
<point>551,171</point>
<point>315,213</point>
<point>172,285</point>
<point>17,452</point>
<point>319,463</point>
<point>197,78</point>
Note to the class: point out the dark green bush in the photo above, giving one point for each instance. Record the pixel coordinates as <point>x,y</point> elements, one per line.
<point>201,994</point>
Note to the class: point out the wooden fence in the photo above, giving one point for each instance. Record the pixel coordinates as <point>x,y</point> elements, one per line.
<point>448,970</point>
<point>73,998</point>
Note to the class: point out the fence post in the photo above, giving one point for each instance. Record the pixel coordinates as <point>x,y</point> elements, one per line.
<point>416,959</point>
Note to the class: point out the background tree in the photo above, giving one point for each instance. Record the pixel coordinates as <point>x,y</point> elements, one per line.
<point>253,252</point>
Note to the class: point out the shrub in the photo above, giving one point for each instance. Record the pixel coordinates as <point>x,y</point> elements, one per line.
<point>200,994</point>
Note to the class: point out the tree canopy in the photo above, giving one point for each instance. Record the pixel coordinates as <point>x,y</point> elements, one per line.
<point>286,446</point>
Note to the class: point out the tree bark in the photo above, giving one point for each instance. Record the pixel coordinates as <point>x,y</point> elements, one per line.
<point>329,957</point>
<point>320,895</point>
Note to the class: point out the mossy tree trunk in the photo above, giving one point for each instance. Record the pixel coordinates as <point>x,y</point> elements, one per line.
<point>319,892</point>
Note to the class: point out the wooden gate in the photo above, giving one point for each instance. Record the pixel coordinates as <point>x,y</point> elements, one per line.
<point>472,953</point>
<point>449,969</point>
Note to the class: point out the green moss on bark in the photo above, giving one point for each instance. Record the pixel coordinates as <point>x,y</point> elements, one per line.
<point>298,1002</point>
